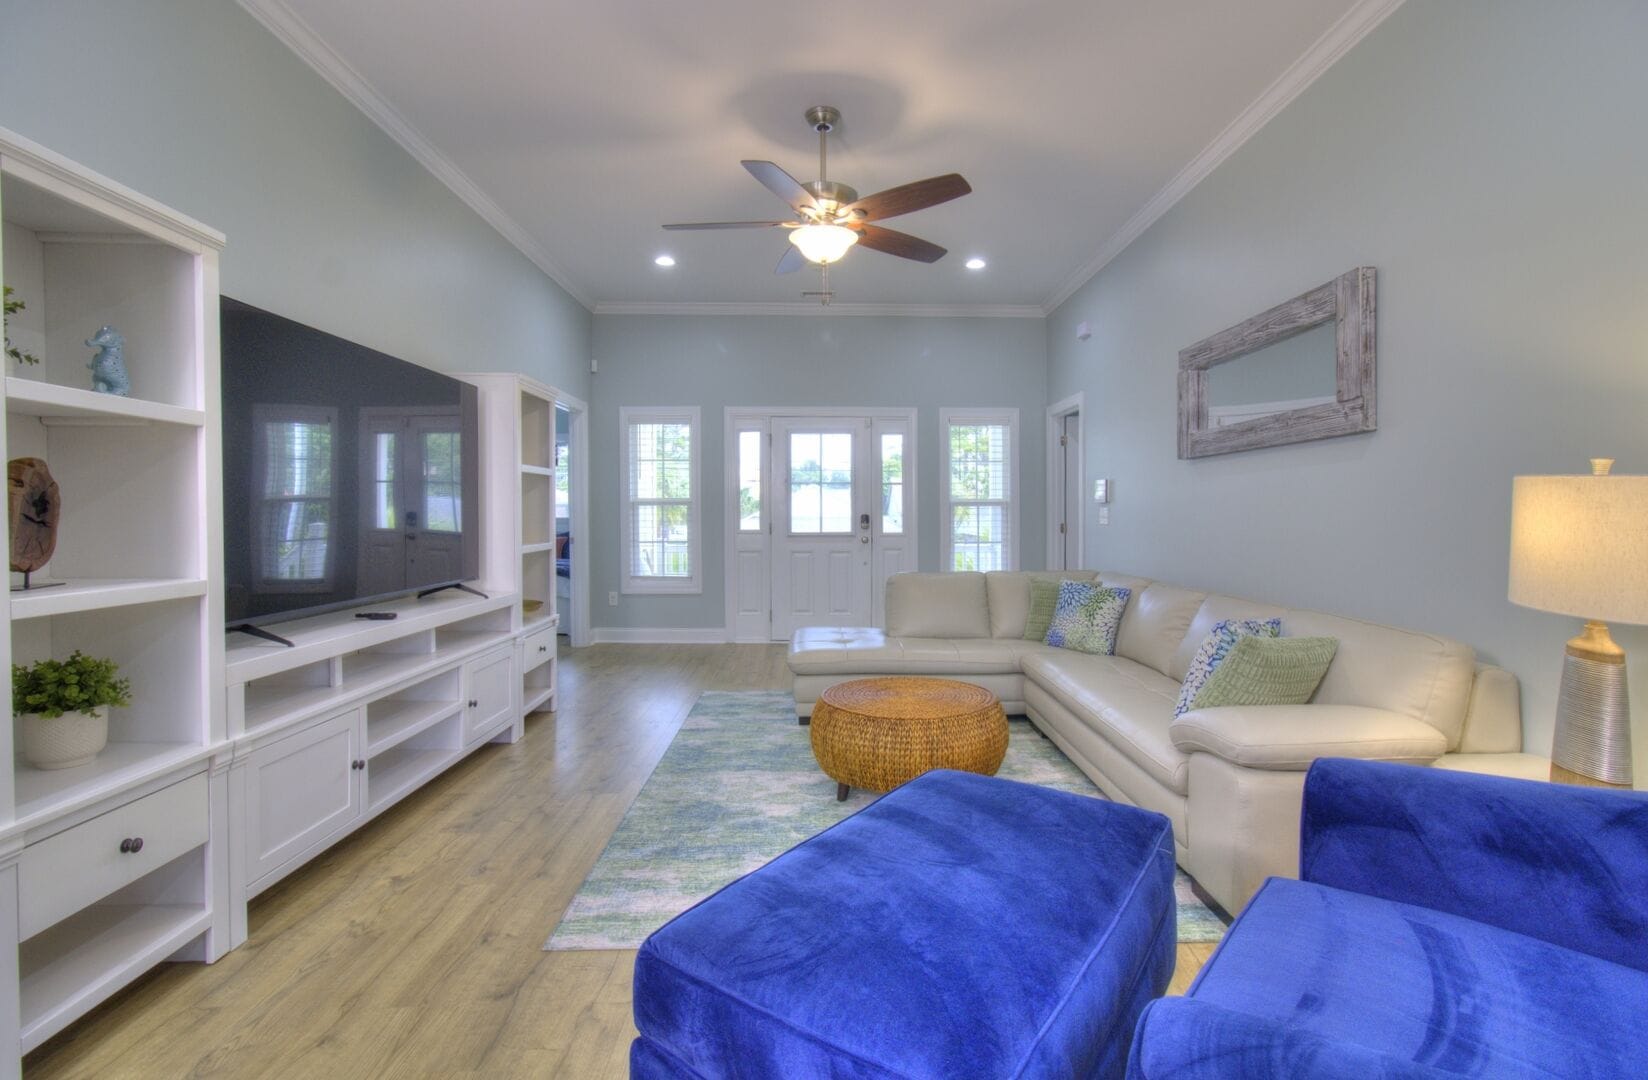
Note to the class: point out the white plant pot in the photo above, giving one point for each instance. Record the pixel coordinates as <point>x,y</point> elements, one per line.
<point>62,742</point>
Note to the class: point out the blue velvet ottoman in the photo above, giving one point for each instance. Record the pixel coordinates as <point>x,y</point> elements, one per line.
<point>961,926</point>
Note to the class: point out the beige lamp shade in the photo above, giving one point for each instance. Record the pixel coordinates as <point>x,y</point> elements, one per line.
<point>1579,546</point>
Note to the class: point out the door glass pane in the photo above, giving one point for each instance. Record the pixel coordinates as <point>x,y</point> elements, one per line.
<point>442,488</point>
<point>892,484</point>
<point>383,480</point>
<point>821,482</point>
<point>806,482</point>
<point>837,509</point>
<point>749,481</point>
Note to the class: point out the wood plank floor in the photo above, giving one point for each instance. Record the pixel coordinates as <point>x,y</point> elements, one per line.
<point>413,948</point>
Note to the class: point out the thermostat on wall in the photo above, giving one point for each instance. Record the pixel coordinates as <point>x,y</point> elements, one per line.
<point>1101,491</point>
<point>1083,332</point>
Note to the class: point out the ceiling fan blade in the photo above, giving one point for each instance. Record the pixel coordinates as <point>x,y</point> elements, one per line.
<point>728,225</point>
<point>908,198</point>
<point>792,261</point>
<point>782,184</point>
<point>903,245</point>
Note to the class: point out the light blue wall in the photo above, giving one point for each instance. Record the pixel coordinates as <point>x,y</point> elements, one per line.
<point>717,361</point>
<point>1487,157</point>
<point>329,221</point>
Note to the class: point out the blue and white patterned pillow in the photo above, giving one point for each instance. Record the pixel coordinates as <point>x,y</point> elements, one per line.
<point>1213,650</point>
<point>1087,616</point>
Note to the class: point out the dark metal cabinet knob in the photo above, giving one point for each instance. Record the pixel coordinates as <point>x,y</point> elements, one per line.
<point>543,648</point>
<point>131,845</point>
<point>474,704</point>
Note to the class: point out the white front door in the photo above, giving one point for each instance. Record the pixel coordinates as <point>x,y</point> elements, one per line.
<point>822,523</point>
<point>821,510</point>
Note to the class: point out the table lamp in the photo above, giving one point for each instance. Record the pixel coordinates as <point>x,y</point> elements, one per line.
<point>1579,546</point>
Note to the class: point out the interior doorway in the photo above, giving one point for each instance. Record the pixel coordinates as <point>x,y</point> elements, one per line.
<point>822,511</point>
<point>572,518</point>
<point>1066,484</point>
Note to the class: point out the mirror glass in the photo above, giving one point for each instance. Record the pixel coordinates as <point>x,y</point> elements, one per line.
<point>1293,373</point>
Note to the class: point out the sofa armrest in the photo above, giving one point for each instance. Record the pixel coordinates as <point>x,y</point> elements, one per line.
<point>1290,737</point>
<point>1186,1039</point>
<point>1567,865</point>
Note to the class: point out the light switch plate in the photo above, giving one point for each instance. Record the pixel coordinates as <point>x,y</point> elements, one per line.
<point>1101,491</point>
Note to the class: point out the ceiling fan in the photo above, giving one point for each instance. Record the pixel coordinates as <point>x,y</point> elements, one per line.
<point>831,218</point>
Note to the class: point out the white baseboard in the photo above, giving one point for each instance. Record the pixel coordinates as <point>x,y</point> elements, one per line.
<point>651,635</point>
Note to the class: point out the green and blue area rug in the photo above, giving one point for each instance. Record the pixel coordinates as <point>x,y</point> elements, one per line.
<point>736,788</point>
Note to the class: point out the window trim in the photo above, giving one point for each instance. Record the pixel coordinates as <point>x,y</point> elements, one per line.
<point>948,418</point>
<point>631,584</point>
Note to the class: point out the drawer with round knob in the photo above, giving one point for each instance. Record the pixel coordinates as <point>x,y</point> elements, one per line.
<point>538,648</point>
<point>64,873</point>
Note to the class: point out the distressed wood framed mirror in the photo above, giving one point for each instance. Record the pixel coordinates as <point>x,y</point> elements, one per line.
<point>1302,370</point>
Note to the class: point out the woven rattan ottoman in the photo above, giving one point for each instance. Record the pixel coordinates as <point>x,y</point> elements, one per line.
<point>878,733</point>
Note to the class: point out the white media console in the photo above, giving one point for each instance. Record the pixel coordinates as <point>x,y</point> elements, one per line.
<point>238,760</point>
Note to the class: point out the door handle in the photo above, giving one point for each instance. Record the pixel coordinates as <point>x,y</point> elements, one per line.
<point>864,522</point>
<point>864,539</point>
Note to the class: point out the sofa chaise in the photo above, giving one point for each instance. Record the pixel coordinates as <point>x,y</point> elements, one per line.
<point>1229,779</point>
<point>1444,926</point>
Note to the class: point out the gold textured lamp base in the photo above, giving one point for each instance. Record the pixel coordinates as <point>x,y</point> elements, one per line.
<point>1593,713</point>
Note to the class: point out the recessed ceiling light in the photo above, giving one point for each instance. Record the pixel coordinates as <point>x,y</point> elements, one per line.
<point>665,260</point>
<point>975,263</point>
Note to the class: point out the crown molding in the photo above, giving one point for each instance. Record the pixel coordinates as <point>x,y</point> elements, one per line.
<point>1339,39</point>
<point>298,36</point>
<point>928,311</point>
<point>39,165</point>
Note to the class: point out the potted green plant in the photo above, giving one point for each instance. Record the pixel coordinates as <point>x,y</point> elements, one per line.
<point>62,708</point>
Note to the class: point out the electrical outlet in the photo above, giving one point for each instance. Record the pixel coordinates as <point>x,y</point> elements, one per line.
<point>1104,515</point>
<point>612,599</point>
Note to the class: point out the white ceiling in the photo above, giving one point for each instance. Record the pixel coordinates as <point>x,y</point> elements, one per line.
<point>581,128</point>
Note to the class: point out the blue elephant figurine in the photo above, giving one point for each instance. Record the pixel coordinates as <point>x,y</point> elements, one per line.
<point>109,365</point>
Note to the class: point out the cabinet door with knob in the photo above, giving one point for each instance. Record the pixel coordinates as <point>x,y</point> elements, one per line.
<point>301,791</point>
<point>490,703</point>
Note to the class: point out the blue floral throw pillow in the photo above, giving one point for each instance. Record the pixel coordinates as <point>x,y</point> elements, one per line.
<point>1087,616</point>
<point>1213,650</point>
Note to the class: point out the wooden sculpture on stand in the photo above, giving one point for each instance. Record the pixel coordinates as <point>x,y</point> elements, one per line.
<point>34,505</point>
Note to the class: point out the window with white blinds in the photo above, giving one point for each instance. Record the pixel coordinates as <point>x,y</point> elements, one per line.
<point>980,489</point>
<point>661,534</point>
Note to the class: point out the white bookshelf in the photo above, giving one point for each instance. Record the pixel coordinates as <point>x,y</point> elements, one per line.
<point>140,561</point>
<point>518,424</point>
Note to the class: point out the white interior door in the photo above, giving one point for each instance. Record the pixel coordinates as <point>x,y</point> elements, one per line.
<point>1072,492</point>
<point>825,509</point>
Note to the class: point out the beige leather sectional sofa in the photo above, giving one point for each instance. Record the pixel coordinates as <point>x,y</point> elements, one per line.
<point>1230,779</point>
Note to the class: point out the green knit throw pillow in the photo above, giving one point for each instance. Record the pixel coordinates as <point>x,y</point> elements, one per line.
<point>1044,599</point>
<point>1269,671</point>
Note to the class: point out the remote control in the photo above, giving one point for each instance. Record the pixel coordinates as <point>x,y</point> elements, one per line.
<point>375,616</point>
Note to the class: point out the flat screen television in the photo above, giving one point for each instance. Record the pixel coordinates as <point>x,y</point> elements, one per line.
<point>348,476</point>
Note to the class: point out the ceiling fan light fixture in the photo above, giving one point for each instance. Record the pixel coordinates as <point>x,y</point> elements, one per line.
<point>665,261</point>
<point>823,244</point>
<point>975,263</point>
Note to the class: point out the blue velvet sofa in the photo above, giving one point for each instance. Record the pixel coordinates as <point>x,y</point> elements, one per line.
<point>1445,925</point>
